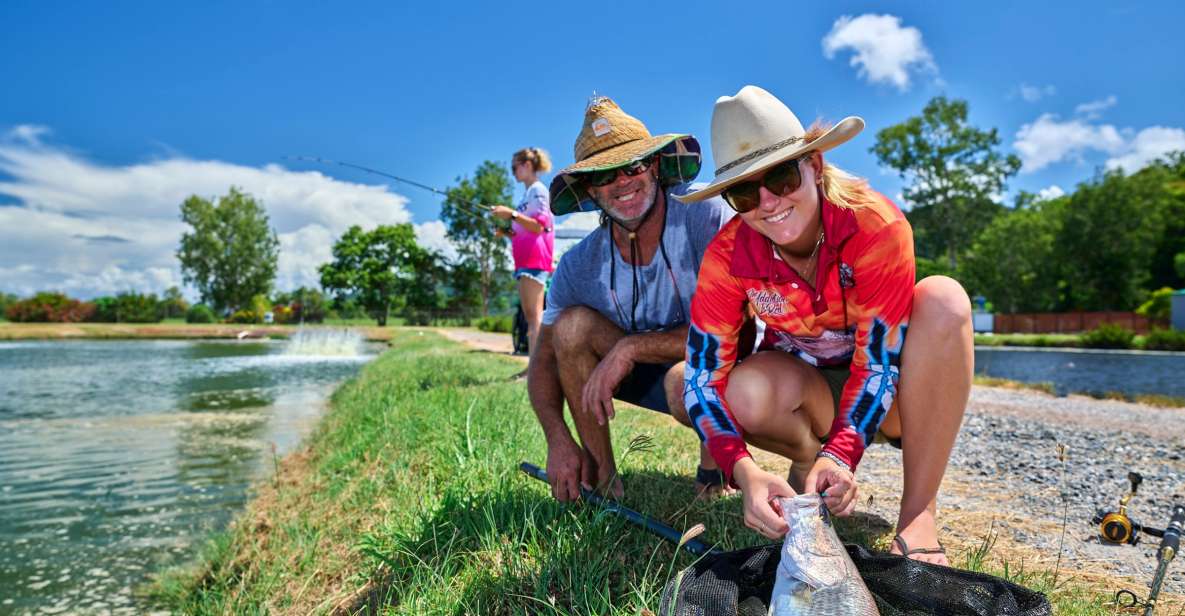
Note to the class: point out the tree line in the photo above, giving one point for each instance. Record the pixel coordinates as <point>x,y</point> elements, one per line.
<point>229,254</point>
<point>1117,242</point>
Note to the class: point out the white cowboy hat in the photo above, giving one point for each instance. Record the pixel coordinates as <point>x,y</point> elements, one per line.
<point>754,131</point>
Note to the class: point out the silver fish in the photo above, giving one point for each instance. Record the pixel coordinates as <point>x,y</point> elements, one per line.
<point>816,576</point>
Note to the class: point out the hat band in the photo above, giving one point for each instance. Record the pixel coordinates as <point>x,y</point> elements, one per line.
<point>758,153</point>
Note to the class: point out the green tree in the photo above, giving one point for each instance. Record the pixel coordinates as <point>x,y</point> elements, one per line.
<point>173,304</point>
<point>6,300</point>
<point>1011,261</point>
<point>230,252</point>
<point>376,269</point>
<point>1108,234</point>
<point>953,172</point>
<point>473,232</point>
<point>1167,179</point>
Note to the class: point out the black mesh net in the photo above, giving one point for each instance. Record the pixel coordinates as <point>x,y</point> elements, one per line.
<point>741,582</point>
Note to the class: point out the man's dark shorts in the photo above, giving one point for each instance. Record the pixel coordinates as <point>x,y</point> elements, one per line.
<point>644,387</point>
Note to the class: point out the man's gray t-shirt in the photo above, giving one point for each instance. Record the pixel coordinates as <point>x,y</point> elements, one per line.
<point>664,299</point>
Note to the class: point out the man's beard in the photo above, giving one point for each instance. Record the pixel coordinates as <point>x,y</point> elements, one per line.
<point>650,196</point>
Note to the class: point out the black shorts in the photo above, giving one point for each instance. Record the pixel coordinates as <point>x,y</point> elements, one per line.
<point>837,377</point>
<point>644,387</point>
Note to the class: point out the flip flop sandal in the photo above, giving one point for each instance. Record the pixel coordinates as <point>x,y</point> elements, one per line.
<point>906,552</point>
<point>709,477</point>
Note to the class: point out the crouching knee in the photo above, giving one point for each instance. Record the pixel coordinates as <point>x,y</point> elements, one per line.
<point>573,328</point>
<point>941,303</point>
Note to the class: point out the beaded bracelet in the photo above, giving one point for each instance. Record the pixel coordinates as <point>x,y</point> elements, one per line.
<point>834,458</point>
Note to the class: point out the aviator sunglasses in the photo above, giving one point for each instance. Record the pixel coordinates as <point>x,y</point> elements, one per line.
<point>781,180</point>
<point>606,177</point>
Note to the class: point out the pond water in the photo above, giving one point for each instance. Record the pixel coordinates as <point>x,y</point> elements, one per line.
<point>1087,371</point>
<point>118,458</point>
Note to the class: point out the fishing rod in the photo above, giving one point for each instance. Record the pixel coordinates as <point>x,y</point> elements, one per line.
<point>695,546</point>
<point>474,209</point>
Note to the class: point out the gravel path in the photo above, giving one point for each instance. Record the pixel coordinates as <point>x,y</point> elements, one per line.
<point>1005,477</point>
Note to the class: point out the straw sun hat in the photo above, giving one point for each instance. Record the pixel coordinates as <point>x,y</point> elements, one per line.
<point>611,138</point>
<point>754,131</point>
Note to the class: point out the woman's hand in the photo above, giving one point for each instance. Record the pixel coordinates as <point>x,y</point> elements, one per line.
<point>503,212</point>
<point>837,482</point>
<point>758,489</point>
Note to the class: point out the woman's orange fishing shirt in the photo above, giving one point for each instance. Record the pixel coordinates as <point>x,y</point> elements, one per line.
<point>856,311</point>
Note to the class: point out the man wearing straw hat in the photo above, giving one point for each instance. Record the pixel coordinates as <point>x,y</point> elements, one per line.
<point>617,311</point>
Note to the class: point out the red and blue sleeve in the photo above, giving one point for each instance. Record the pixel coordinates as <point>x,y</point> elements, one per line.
<point>717,314</point>
<point>881,301</point>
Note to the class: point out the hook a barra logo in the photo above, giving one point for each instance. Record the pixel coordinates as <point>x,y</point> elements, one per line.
<point>600,127</point>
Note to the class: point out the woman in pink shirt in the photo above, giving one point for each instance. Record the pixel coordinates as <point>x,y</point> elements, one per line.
<point>532,236</point>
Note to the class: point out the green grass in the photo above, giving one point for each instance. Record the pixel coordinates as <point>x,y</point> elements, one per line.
<point>1029,340</point>
<point>408,500</point>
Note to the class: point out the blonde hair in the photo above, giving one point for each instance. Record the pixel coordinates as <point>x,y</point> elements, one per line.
<point>840,187</point>
<point>538,158</point>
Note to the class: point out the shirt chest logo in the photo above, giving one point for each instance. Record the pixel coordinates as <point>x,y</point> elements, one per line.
<point>766,302</point>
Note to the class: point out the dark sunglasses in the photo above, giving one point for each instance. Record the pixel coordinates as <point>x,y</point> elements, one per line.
<point>781,180</point>
<point>606,177</point>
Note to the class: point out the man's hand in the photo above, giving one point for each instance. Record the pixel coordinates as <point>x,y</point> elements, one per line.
<point>758,489</point>
<point>568,468</point>
<point>837,482</point>
<point>597,396</point>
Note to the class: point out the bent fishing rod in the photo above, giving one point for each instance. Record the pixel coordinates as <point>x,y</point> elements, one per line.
<point>474,209</point>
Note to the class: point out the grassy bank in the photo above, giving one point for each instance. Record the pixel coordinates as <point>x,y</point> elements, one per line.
<point>165,330</point>
<point>407,500</point>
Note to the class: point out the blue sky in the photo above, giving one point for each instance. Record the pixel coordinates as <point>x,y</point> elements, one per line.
<point>113,112</point>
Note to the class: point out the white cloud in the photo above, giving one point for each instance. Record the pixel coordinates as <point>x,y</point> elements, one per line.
<point>883,50</point>
<point>1148,145</point>
<point>85,228</point>
<point>1048,140</point>
<point>1033,94</point>
<point>1050,192</point>
<point>433,235</point>
<point>580,221</point>
<point>1094,109</point>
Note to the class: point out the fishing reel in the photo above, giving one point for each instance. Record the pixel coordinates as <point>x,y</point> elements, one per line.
<point>1116,526</point>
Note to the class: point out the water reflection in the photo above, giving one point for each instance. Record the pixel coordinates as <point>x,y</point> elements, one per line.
<point>118,458</point>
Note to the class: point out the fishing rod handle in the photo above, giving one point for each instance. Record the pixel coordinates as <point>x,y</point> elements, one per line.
<point>1171,543</point>
<point>695,546</point>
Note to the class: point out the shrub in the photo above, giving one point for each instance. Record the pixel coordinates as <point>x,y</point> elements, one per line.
<point>1159,307</point>
<point>200,313</point>
<point>1108,336</point>
<point>1165,340</point>
<point>6,300</point>
<point>49,307</point>
<point>245,316</point>
<point>501,324</point>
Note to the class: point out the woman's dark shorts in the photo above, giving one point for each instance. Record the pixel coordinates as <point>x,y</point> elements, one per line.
<point>837,377</point>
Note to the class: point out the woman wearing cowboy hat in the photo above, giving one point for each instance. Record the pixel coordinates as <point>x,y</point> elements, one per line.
<point>826,263</point>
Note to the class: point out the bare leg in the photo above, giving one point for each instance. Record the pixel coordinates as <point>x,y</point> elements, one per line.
<point>582,337</point>
<point>937,365</point>
<point>530,294</point>
<point>783,405</point>
<point>673,383</point>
